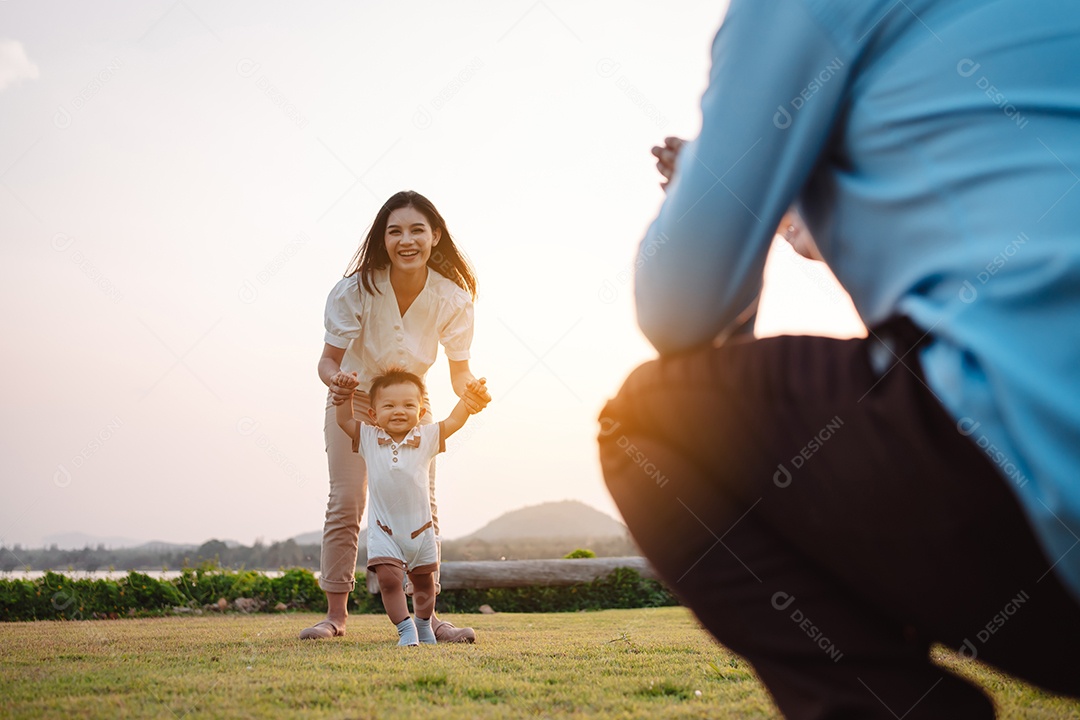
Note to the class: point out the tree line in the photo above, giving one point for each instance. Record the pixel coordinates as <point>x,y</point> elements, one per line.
<point>286,554</point>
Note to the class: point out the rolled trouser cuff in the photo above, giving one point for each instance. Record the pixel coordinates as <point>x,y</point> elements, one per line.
<point>337,586</point>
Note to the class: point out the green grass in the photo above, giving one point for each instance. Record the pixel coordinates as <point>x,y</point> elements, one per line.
<point>614,664</point>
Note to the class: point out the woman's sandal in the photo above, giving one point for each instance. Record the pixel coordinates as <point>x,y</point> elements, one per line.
<point>321,630</point>
<point>448,632</point>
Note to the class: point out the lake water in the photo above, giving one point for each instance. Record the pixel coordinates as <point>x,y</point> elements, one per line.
<point>111,574</point>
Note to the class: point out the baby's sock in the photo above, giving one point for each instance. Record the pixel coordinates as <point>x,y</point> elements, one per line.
<point>424,633</point>
<point>406,631</point>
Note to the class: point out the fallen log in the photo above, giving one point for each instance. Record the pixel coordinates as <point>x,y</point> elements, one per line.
<point>485,574</point>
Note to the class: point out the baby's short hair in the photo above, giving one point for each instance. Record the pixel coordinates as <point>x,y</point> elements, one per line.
<point>395,376</point>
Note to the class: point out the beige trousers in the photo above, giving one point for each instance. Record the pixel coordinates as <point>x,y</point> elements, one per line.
<point>348,496</point>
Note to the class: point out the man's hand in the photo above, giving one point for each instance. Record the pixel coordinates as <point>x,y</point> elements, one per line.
<point>791,227</point>
<point>666,158</point>
<point>794,230</point>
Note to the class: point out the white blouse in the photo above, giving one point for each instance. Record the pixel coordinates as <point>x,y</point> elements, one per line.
<point>375,336</point>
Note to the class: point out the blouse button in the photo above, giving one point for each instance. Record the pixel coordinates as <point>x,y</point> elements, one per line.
<point>395,459</point>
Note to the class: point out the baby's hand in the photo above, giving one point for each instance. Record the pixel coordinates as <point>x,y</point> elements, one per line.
<point>476,395</point>
<point>345,381</point>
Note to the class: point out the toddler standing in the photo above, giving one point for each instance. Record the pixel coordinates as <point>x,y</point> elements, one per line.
<point>398,450</point>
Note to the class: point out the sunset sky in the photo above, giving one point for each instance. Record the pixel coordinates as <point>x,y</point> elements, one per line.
<point>181,184</point>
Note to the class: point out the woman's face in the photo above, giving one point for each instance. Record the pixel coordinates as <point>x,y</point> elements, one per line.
<point>409,239</point>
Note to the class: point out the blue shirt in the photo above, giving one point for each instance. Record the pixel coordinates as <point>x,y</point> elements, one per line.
<point>934,149</point>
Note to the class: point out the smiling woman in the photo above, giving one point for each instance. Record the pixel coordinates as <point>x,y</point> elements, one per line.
<point>389,310</point>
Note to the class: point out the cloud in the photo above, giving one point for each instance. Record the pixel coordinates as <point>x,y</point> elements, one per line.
<point>14,65</point>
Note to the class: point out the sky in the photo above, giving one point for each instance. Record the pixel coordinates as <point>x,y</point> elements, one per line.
<point>182,182</point>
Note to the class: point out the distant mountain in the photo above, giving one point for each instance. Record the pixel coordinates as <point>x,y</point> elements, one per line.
<point>564,519</point>
<point>567,518</point>
<point>157,546</point>
<point>78,541</point>
<point>309,538</point>
<point>315,537</point>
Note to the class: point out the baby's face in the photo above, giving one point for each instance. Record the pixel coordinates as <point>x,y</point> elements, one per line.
<point>397,408</point>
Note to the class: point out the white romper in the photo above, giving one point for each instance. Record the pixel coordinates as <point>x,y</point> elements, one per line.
<point>400,530</point>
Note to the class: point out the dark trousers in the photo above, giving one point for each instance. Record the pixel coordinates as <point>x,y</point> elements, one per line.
<point>825,518</point>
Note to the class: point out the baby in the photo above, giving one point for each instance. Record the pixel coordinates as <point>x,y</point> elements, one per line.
<point>398,450</point>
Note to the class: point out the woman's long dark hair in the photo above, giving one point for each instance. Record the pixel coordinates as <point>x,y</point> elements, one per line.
<point>446,259</point>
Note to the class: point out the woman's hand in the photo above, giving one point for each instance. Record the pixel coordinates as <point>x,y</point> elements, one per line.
<point>472,392</point>
<point>476,396</point>
<point>343,386</point>
<point>667,157</point>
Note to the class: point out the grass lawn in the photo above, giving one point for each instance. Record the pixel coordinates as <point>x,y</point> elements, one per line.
<point>610,664</point>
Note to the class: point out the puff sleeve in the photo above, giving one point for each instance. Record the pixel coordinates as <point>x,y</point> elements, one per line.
<point>344,309</point>
<point>456,326</point>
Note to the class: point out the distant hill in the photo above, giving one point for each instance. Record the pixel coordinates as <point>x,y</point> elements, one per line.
<point>315,537</point>
<point>308,538</point>
<point>548,530</point>
<point>157,546</point>
<point>567,518</point>
<point>78,541</point>
<point>552,520</point>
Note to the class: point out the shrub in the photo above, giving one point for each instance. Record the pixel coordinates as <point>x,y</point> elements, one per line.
<point>58,597</point>
<point>622,588</point>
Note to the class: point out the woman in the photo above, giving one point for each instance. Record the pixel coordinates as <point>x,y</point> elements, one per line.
<point>408,290</point>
